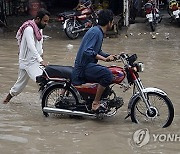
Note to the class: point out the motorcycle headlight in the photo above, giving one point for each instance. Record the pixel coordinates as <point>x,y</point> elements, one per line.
<point>139,66</point>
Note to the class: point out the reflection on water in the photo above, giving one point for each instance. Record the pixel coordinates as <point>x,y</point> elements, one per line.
<point>13,138</point>
<point>24,129</point>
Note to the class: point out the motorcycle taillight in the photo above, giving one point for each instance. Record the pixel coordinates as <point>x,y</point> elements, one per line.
<point>174,7</point>
<point>60,18</point>
<point>82,17</point>
<point>148,10</point>
<point>86,11</point>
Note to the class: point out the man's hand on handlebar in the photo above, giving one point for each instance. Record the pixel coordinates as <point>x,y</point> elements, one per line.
<point>111,58</point>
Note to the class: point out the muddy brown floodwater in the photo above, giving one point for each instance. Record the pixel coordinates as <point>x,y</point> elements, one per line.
<point>24,129</point>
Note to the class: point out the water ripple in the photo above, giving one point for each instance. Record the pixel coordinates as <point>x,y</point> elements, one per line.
<point>13,138</point>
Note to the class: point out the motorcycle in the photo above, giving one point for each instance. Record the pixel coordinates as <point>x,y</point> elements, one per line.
<point>152,15</point>
<point>174,11</point>
<point>20,8</point>
<point>77,21</point>
<point>147,105</point>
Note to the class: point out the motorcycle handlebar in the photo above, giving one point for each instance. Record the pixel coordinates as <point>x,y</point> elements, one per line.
<point>121,56</point>
<point>126,59</point>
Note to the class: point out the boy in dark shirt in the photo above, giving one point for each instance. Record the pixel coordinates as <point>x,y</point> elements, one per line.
<point>86,67</point>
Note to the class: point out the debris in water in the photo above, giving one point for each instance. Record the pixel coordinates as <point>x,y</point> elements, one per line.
<point>167,36</point>
<point>153,36</point>
<point>86,134</point>
<point>69,47</point>
<point>46,37</point>
<point>131,34</point>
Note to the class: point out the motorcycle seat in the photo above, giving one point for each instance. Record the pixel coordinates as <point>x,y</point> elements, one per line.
<point>58,71</point>
<point>70,14</point>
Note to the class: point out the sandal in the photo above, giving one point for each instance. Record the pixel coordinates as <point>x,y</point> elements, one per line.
<point>101,109</point>
<point>7,99</point>
<point>95,107</point>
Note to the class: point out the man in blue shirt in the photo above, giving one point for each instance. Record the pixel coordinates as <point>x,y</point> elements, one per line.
<point>86,67</point>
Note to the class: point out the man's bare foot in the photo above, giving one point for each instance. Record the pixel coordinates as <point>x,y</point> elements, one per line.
<point>95,105</point>
<point>7,99</point>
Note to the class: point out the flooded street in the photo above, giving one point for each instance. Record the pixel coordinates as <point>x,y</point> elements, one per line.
<point>24,129</point>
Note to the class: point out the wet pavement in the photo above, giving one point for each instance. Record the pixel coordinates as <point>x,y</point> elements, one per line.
<point>24,129</point>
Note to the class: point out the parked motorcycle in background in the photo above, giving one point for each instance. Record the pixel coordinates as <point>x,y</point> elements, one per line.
<point>174,10</point>
<point>152,14</point>
<point>146,105</point>
<point>77,21</point>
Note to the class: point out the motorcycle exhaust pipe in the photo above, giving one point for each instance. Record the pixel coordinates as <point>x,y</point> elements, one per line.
<point>80,30</point>
<point>69,112</point>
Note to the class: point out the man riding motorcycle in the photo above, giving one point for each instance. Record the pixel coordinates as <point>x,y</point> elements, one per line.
<point>86,68</point>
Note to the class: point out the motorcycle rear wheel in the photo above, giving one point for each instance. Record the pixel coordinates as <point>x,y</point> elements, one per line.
<point>56,96</point>
<point>69,28</point>
<point>162,107</point>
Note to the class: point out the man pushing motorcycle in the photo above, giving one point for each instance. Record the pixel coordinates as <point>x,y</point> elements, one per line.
<point>30,41</point>
<point>86,68</point>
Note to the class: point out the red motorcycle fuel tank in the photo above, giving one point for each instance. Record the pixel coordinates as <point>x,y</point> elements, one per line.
<point>84,14</point>
<point>91,88</point>
<point>118,74</point>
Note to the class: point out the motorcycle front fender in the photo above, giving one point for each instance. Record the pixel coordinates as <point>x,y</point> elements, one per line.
<point>146,90</point>
<point>53,83</point>
<point>65,23</point>
<point>176,14</point>
<point>49,85</point>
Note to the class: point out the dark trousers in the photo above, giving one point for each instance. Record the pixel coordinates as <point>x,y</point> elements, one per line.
<point>98,73</point>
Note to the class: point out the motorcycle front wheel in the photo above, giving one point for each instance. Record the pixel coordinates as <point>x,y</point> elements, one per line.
<point>178,21</point>
<point>153,26</point>
<point>69,29</point>
<point>162,110</point>
<point>58,97</point>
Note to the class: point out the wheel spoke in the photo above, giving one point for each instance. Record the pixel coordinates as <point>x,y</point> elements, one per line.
<point>59,95</point>
<point>160,110</point>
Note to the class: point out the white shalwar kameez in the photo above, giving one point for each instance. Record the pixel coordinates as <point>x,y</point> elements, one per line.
<point>29,60</point>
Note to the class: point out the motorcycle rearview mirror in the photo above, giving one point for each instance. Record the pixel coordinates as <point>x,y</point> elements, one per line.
<point>123,55</point>
<point>132,59</point>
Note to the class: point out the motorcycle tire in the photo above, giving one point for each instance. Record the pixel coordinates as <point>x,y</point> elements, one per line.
<point>153,26</point>
<point>140,113</point>
<point>169,12</point>
<point>55,95</point>
<point>178,21</point>
<point>68,30</point>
